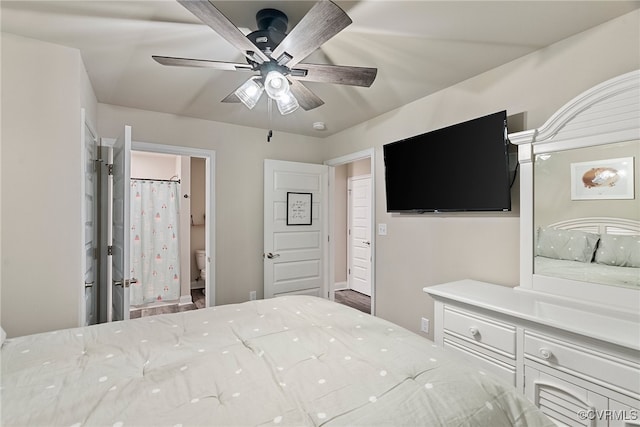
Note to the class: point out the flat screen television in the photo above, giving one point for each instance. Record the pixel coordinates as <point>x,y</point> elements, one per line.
<point>464,167</point>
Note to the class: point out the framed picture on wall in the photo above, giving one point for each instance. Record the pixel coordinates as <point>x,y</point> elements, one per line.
<point>603,179</point>
<point>299,208</point>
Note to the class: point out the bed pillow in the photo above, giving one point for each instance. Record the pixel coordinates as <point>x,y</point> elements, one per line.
<point>621,251</point>
<point>572,245</point>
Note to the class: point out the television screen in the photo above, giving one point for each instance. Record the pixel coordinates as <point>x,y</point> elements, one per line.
<point>464,167</point>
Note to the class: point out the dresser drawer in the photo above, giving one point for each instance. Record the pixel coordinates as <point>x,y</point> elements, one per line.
<point>484,331</point>
<point>502,370</point>
<point>584,362</point>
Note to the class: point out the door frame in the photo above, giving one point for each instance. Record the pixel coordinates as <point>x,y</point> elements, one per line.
<point>210,205</point>
<point>85,123</point>
<point>350,158</point>
<point>210,229</point>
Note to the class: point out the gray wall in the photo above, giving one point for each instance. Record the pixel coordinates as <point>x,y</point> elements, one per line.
<point>43,88</point>
<point>426,250</point>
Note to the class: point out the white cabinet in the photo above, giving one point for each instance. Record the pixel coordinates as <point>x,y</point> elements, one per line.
<point>579,364</point>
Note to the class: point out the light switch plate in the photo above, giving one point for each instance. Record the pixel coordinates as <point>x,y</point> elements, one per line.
<point>382,229</point>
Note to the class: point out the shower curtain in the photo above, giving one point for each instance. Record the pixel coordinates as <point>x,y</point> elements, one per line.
<point>155,253</point>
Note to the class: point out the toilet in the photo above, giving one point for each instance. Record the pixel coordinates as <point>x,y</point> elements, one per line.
<point>201,262</point>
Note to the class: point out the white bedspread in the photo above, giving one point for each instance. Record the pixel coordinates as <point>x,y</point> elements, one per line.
<point>588,272</point>
<point>283,361</point>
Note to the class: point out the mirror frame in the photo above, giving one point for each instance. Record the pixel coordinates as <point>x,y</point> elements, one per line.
<point>559,133</point>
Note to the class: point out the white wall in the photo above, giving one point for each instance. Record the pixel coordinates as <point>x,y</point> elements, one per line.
<point>240,152</point>
<point>429,249</point>
<point>43,88</point>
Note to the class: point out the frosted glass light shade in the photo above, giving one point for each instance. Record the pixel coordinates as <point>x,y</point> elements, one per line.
<point>287,103</point>
<point>276,84</point>
<point>250,92</point>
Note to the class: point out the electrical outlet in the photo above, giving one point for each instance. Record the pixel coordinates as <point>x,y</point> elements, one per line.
<point>424,325</point>
<point>252,295</point>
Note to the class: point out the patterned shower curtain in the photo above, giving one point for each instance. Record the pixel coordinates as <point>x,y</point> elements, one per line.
<point>155,253</point>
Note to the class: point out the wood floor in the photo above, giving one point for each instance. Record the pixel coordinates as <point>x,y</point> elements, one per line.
<point>347,297</point>
<point>197,296</point>
<point>354,299</point>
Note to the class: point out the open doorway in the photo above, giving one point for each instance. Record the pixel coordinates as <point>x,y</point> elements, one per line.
<point>188,175</point>
<point>352,243</point>
<point>168,233</point>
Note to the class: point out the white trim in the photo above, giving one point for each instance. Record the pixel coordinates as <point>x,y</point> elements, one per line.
<point>84,123</point>
<point>210,238</point>
<point>332,163</point>
<point>185,299</point>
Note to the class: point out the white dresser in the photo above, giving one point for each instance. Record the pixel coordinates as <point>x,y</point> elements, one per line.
<point>580,363</point>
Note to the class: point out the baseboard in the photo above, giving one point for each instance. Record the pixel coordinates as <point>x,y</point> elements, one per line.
<point>198,284</point>
<point>340,286</point>
<point>185,299</point>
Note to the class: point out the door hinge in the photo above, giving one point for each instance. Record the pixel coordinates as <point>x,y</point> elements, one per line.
<point>110,169</point>
<point>349,271</point>
<point>109,250</point>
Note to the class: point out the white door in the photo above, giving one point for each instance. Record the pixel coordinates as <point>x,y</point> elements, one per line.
<point>119,184</point>
<point>359,235</point>
<point>90,213</point>
<point>295,234</point>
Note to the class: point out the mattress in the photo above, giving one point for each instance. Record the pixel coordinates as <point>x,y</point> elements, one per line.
<point>293,360</point>
<point>588,272</point>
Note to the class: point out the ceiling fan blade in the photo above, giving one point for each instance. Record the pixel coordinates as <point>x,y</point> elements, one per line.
<point>322,22</point>
<point>204,63</point>
<point>339,74</point>
<point>210,15</point>
<point>307,99</point>
<point>232,97</point>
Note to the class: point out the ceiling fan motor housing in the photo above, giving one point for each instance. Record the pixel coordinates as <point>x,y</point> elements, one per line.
<point>272,27</point>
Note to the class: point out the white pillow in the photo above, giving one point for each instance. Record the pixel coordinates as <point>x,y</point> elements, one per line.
<point>621,251</point>
<point>572,245</point>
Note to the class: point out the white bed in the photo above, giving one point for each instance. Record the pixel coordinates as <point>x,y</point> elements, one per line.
<point>293,360</point>
<point>602,259</point>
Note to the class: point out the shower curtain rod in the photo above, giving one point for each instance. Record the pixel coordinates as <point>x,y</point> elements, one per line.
<point>160,180</point>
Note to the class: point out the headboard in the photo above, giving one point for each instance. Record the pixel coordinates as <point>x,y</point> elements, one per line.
<point>601,225</point>
<point>606,114</point>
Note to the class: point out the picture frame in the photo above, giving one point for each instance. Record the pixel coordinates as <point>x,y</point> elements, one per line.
<point>299,208</point>
<point>603,179</point>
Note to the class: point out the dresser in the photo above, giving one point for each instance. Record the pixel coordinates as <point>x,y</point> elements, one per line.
<point>578,362</point>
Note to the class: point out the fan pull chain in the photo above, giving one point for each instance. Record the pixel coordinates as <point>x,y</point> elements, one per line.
<point>269,115</point>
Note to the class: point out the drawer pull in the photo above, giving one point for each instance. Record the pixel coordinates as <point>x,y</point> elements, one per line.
<point>545,353</point>
<point>474,331</point>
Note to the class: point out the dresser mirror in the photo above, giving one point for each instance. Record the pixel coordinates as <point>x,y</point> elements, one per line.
<point>584,202</point>
<point>579,198</point>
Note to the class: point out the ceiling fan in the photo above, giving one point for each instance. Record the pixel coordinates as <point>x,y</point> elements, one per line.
<point>273,56</point>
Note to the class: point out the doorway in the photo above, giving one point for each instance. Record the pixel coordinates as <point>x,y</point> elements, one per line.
<point>352,242</point>
<point>167,224</point>
<point>194,168</point>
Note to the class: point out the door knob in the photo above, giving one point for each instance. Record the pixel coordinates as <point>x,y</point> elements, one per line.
<point>367,243</point>
<point>271,255</point>
<point>88,284</point>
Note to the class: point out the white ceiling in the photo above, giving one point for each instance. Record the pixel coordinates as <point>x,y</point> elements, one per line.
<point>419,47</point>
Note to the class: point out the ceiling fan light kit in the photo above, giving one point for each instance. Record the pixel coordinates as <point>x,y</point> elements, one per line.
<point>250,92</point>
<point>276,55</point>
